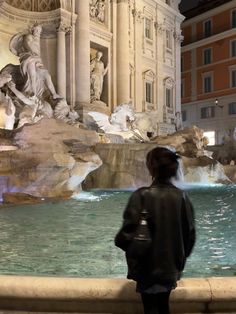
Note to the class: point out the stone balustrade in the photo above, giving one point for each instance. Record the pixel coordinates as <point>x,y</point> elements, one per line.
<point>82,295</point>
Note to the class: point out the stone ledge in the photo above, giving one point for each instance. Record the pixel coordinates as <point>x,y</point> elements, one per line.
<point>81,295</point>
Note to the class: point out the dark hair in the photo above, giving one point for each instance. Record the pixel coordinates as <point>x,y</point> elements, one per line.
<point>162,163</point>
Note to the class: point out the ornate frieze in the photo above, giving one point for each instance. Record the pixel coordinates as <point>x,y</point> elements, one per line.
<point>35,5</point>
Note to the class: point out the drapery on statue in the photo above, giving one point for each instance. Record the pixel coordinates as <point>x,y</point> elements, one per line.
<point>97,73</point>
<point>26,46</point>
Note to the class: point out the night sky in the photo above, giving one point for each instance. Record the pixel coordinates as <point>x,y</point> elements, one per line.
<point>187,4</point>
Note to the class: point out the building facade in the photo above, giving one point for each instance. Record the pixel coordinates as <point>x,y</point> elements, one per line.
<point>208,64</point>
<point>134,45</point>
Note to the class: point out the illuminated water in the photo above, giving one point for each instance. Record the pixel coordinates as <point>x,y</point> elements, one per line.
<point>75,238</point>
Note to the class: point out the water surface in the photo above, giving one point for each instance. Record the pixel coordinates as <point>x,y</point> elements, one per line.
<point>75,237</point>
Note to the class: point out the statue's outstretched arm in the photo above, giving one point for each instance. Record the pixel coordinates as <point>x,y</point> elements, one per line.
<point>19,95</point>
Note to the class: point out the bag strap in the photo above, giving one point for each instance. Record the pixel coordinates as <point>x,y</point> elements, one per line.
<point>142,196</point>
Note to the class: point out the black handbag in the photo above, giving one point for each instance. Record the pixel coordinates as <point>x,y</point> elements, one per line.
<point>141,241</point>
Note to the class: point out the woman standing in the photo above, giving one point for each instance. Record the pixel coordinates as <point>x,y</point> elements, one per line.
<point>170,219</point>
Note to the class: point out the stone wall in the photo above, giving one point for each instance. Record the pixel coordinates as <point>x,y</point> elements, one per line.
<point>118,296</point>
<point>123,166</point>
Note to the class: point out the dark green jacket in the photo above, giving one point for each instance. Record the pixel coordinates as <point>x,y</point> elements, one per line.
<point>172,227</point>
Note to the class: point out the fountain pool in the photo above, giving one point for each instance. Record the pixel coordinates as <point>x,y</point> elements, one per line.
<point>74,238</point>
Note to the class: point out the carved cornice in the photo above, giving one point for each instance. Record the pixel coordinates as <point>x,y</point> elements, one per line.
<point>100,33</point>
<point>169,82</point>
<point>149,73</point>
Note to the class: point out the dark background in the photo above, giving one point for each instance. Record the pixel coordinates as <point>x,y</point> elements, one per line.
<point>187,4</point>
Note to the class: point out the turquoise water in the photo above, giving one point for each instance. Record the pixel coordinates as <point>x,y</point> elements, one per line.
<point>75,237</point>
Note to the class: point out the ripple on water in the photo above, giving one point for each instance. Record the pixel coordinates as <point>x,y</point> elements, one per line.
<point>75,237</point>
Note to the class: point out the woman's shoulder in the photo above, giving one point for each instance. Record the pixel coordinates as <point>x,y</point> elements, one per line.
<point>137,193</point>
<point>162,187</point>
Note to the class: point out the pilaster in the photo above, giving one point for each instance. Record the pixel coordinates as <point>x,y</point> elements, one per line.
<point>82,52</point>
<point>122,52</point>
<point>61,60</point>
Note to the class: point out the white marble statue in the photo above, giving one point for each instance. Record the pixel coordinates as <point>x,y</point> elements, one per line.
<point>7,108</point>
<point>97,73</point>
<point>122,117</point>
<point>26,46</point>
<point>7,114</point>
<point>29,86</point>
<point>63,112</point>
<point>28,115</point>
<point>119,123</point>
<point>4,79</point>
<point>178,121</point>
<point>146,123</point>
<point>26,106</point>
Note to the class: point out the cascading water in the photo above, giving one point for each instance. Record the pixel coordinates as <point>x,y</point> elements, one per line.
<point>207,175</point>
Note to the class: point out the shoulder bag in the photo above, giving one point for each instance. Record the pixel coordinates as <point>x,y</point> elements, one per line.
<point>141,241</point>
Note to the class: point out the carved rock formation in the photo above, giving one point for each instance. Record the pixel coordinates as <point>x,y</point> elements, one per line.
<point>124,164</point>
<point>189,142</point>
<point>52,159</point>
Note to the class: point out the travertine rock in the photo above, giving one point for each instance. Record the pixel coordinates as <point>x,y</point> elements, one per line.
<point>124,165</point>
<point>188,142</point>
<point>52,159</point>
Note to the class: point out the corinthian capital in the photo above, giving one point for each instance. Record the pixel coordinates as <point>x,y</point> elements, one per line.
<point>178,36</point>
<point>137,14</point>
<point>62,27</point>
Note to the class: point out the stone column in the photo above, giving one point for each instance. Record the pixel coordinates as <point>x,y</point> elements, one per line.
<point>82,53</point>
<point>61,60</point>
<point>122,52</point>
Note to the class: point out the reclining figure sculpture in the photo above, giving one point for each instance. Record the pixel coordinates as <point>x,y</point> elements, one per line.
<point>29,84</point>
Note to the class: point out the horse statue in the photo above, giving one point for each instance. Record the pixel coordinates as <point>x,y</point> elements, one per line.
<point>119,123</point>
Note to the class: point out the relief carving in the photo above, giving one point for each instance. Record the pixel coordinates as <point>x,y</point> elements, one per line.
<point>97,10</point>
